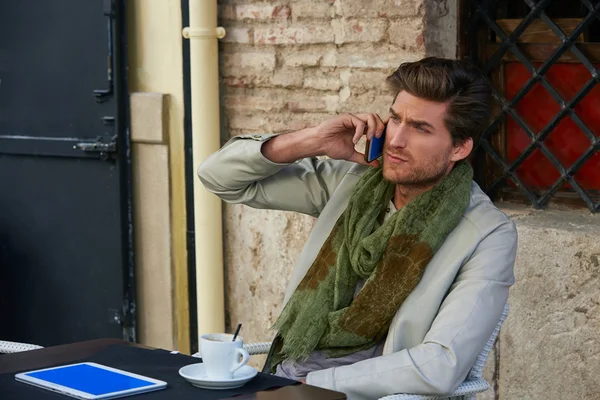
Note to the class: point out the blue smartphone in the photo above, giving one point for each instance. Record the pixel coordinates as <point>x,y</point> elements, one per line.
<point>374,147</point>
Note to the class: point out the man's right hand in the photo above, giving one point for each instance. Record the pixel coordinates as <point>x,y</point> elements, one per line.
<point>334,137</point>
<point>339,135</point>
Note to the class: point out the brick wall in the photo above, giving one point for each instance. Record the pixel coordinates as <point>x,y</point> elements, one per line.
<point>288,64</point>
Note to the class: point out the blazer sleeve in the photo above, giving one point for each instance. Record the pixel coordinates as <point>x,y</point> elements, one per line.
<point>465,321</point>
<point>239,173</point>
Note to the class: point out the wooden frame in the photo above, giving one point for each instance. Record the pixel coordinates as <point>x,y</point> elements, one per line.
<point>537,44</point>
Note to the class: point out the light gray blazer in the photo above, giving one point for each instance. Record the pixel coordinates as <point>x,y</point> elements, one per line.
<point>444,323</point>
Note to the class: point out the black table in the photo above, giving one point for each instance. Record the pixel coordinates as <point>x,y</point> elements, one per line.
<point>155,363</point>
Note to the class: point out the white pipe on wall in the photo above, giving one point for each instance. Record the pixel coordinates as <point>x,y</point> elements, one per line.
<point>203,34</point>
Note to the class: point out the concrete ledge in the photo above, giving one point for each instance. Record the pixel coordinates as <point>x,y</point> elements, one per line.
<point>149,117</point>
<point>549,347</point>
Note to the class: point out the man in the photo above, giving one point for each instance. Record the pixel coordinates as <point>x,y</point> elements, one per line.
<point>407,270</point>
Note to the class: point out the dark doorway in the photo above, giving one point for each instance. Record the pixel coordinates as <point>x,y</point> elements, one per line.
<point>66,266</point>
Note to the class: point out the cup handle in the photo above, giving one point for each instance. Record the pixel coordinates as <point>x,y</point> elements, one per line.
<point>245,358</point>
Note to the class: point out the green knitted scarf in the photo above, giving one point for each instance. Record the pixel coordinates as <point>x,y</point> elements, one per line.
<point>322,313</point>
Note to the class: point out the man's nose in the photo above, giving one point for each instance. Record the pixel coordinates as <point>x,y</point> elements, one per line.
<point>398,136</point>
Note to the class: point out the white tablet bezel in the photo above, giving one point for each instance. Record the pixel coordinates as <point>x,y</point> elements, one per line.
<point>156,384</point>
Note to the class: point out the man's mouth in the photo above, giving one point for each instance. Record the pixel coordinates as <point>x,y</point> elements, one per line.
<point>396,159</point>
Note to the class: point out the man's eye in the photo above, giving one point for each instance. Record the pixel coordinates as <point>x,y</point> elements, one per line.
<point>395,119</point>
<point>420,128</point>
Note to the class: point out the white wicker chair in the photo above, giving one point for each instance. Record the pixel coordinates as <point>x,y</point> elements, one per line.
<point>16,347</point>
<point>474,383</point>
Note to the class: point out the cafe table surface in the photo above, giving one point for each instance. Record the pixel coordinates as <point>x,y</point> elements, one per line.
<point>75,352</point>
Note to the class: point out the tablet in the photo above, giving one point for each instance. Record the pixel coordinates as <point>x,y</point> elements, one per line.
<point>90,381</point>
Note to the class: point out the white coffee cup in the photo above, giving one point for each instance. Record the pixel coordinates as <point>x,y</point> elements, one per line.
<point>221,356</point>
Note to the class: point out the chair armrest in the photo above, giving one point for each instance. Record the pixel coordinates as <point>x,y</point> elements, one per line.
<point>258,348</point>
<point>16,347</point>
<point>471,386</point>
<point>468,387</point>
<point>404,396</point>
<point>252,349</point>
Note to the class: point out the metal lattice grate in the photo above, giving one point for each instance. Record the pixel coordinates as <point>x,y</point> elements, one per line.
<point>482,15</point>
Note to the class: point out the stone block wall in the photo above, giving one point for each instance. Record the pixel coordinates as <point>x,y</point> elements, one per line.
<point>549,346</point>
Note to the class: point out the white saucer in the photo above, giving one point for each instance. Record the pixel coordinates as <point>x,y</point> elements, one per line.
<point>196,375</point>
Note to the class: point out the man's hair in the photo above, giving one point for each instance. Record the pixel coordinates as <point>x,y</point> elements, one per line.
<point>454,81</point>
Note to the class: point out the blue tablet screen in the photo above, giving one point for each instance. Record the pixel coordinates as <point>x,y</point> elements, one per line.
<point>90,379</point>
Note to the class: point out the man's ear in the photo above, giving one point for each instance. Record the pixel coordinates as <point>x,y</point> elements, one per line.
<point>462,150</point>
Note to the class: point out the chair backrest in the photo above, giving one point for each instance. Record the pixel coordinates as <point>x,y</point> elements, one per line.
<point>477,369</point>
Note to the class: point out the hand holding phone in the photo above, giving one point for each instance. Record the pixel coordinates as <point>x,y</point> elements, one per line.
<point>335,138</point>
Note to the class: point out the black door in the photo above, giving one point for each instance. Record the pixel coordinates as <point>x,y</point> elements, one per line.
<point>66,270</point>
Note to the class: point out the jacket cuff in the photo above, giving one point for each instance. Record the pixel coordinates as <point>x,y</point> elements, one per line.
<point>253,150</point>
<point>324,378</point>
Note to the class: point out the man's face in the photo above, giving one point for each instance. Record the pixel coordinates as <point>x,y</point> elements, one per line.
<point>418,149</point>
